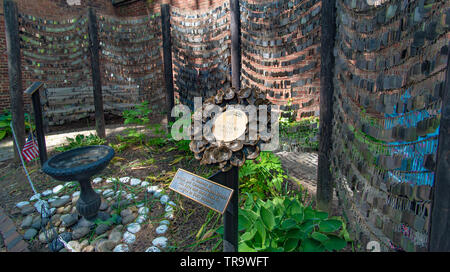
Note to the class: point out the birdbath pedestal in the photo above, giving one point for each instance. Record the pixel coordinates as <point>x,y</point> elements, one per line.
<point>81,164</point>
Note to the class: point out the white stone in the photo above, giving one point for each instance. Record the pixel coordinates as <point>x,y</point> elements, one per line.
<point>35,197</point>
<point>152,189</point>
<point>98,191</point>
<point>42,204</point>
<point>157,193</point>
<point>120,192</point>
<point>164,199</point>
<point>108,192</point>
<point>160,242</point>
<point>169,215</point>
<point>129,237</point>
<point>161,229</point>
<point>77,193</point>
<point>121,248</point>
<point>171,203</point>
<point>70,184</point>
<point>65,197</point>
<point>131,196</point>
<point>97,180</point>
<point>58,189</point>
<point>47,192</point>
<point>135,182</point>
<point>75,245</point>
<point>53,199</point>
<point>169,209</point>
<point>124,179</point>
<point>134,228</point>
<point>145,184</point>
<point>110,180</point>
<point>165,222</point>
<point>143,210</point>
<point>141,219</point>
<point>140,205</point>
<point>153,249</point>
<point>22,204</point>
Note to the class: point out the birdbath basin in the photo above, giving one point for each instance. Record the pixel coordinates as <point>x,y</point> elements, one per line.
<point>81,164</point>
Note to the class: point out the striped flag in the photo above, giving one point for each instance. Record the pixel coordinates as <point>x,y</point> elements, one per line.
<point>30,149</point>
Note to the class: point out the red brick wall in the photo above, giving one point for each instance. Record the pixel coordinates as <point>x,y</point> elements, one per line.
<point>143,7</point>
<point>41,8</point>
<point>53,9</point>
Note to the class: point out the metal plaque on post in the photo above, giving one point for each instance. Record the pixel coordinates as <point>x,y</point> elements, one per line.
<point>208,193</point>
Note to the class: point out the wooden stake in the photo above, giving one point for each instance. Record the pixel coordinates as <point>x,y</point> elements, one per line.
<point>14,73</point>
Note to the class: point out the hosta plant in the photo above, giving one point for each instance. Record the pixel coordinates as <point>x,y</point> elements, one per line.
<point>283,224</point>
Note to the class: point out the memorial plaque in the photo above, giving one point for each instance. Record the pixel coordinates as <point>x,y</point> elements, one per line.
<point>201,190</point>
<point>230,125</point>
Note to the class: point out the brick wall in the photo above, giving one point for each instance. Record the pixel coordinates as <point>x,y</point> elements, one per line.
<point>50,9</point>
<point>142,7</point>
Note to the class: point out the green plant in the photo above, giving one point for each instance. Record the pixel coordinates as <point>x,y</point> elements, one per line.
<point>283,224</point>
<point>263,176</point>
<point>303,132</point>
<point>79,141</point>
<point>5,120</point>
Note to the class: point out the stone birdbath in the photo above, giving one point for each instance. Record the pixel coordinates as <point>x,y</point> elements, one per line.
<point>81,164</point>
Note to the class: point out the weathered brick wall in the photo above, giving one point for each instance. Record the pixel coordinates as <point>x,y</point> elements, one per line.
<point>280,52</point>
<point>142,7</point>
<point>391,60</point>
<point>49,9</point>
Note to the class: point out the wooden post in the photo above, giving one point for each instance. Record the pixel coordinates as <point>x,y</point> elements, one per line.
<point>439,239</point>
<point>167,57</point>
<point>14,73</point>
<point>33,90</point>
<point>96,76</point>
<point>324,178</point>
<point>230,179</point>
<point>235,29</point>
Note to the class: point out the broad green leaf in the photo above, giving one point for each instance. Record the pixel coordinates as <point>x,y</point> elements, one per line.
<point>319,236</point>
<point>311,245</point>
<point>288,224</point>
<point>307,227</point>
<point>291,244</point>
<point>243,222</point>
<point>261,231</point>
<point>248,235</point>
<point>321,215</point>
<point>2,134</point>
<point>335,243</point>
<point>267,218</point>
<point>296,233</point>
<point>243,247</point>
<point>331,225</point>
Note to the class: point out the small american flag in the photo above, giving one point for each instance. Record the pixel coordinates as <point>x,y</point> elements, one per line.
<point>30,149</point>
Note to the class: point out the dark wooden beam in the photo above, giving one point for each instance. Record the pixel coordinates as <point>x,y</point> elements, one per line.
<point>14,72</point>
<point>440,210</point>
<point>94,49</point>
<point>235,29</point>
<point>324,177</point>
<point>230,179</point>
<point>167,57</point>
<point>33,90</point>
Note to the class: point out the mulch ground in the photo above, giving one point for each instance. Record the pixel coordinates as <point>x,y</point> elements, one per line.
<point>159,170</point>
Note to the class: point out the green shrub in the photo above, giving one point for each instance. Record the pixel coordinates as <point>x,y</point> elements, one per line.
<point>263,176</point>
<point>80,141</point>
<point>283,224</point>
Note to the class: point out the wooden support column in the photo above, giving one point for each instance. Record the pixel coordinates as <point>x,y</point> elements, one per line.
<point>230,179</point>
<point>439,239</point>
<point>324,177</point>
<point>94,50</point>
<point>235,29</point>
<point>167,57</point>
<point>14,72</point>
<point>33,90</point>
